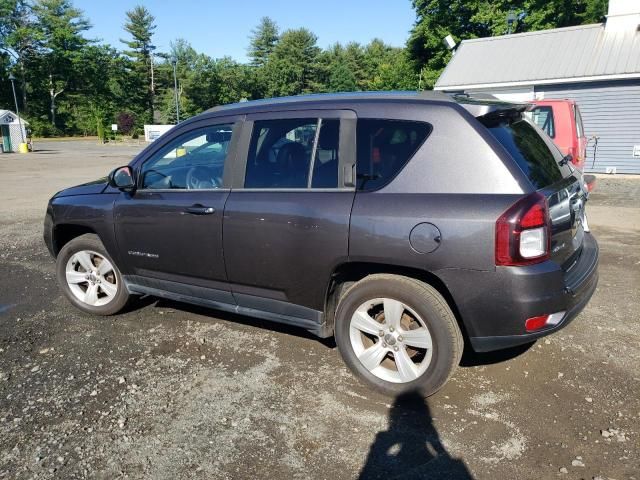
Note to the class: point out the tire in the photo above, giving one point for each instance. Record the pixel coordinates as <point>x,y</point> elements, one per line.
<point>79,280</point>
<point>427,354</point>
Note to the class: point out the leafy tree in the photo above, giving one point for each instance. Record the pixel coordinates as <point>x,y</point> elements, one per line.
<point>18,37</point>
<point>483,18</point>
<point>263,41</point>
<point>140,25</point>
<point>57,49</point>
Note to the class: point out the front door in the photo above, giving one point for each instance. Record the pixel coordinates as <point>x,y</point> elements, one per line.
<point>169,232</point>
<point>6,138</point>
<point>286,225</point>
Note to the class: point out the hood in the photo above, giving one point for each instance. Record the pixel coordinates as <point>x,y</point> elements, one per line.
<point>89,188</point>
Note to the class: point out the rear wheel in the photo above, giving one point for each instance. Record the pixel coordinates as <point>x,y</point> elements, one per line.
<point>89,278</point>
<point>398,334</point>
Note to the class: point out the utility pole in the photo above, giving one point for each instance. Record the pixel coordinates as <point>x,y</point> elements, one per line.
<point>174,62</point>
<point>15,100</point>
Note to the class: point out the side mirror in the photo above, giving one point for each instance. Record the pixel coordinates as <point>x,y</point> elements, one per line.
<point>123,179</point>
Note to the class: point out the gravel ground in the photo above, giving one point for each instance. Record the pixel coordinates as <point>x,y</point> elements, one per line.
<point>170,391</point>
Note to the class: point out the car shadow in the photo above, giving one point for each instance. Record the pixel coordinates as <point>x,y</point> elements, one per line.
<point>145,301</point>
<point>476,359</point>
<point>411,447</point>
<point>469,357</point>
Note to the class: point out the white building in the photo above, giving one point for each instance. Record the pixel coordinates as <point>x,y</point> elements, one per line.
<point>11,135</point>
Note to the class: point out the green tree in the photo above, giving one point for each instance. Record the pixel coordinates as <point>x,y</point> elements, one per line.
<point>483,18</point>
<point>140,25</point>
<point>262,41</point>
<point>18,40</point>
<point>292,66</point>
<point>104,90</point>
<point>56,52</point>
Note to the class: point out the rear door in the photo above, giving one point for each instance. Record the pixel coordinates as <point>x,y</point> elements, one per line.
<point>286,222</point>
<point>542,162</point>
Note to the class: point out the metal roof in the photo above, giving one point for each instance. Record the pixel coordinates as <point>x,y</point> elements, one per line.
<point>582,53</point>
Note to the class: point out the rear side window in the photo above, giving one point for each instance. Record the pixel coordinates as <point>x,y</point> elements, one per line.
<point>384,147</point>
<point>543,117</point>
<point>537,158</point>
<point>293,153</point>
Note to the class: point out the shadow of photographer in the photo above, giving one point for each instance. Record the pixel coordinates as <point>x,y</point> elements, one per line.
<point>411,446</point>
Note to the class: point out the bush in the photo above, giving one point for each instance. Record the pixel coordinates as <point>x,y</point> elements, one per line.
<point>41,127</point>
<point>125,121</point>
<point>100,129</point>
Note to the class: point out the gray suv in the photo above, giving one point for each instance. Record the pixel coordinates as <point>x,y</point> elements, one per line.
<point>404,224</point>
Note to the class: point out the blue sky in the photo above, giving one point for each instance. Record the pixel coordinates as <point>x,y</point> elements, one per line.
<point>222,27</point>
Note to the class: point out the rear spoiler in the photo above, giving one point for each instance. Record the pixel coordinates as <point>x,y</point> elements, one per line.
<point>482,104</point>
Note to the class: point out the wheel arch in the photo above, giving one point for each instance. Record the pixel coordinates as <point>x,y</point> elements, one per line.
<point>65,232</point>
<point>348,273</point>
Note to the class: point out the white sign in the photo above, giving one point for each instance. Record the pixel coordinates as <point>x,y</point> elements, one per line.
<point>152,132</point>
<point>114,127</point>
<point>636,150</point>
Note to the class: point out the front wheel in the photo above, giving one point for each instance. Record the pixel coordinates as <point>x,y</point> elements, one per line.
<point>398,334</point>
<point>89,278</point>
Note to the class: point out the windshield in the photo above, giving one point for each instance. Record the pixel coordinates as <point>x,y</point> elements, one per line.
<point>536,155</point>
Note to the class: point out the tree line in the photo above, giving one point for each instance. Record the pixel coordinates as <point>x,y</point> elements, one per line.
<point>68,83</point>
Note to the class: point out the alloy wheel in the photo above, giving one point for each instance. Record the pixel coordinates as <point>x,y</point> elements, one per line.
<point>391,340</point>
<point>91,278</point>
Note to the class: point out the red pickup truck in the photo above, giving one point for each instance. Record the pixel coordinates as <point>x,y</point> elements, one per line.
<point>561,120</point>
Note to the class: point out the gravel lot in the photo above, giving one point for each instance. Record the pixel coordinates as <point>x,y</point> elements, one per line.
<point>170,391</point>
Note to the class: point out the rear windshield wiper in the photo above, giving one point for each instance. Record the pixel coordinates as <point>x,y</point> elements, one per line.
<point>565,160</point>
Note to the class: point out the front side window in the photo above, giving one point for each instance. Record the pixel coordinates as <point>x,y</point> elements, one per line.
<point>384,147</point>
<point>287,153</point>
<point>543,118</point>
<point>193,161</point>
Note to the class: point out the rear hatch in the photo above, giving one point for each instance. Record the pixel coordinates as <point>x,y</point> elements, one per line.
<point>543,164</point>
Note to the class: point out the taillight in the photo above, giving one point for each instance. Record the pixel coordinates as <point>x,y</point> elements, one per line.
<point>536,323</point>
<point>523,232</point>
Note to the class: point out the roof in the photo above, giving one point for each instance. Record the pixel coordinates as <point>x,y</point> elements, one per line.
<point>582,53</point>
<point>476,104</point>
<point>328,98</point>
<point>3,121</point>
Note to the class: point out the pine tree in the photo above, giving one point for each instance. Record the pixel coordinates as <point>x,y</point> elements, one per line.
<point>140,25</point>
<point>263,40</point>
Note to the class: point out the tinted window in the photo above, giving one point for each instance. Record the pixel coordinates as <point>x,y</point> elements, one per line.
<point>325,166</point>
<point>193,161</point>
<point>543,117</point>
<point>384,147</point>
<point>537,159</point>
<point>281,150</point>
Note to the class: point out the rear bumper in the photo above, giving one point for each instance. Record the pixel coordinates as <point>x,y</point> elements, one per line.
<point>495,305</point>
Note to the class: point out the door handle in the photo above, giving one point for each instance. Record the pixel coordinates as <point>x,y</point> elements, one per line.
<point>200,210</point>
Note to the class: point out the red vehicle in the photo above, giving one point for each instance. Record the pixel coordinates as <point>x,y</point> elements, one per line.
<point>561,120</point>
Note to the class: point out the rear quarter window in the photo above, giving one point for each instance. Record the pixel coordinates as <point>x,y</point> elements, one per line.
<point>536,156</point>
<point>384,147</point>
